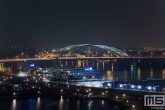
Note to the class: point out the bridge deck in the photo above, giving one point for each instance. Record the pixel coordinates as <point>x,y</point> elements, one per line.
<point>76,58</point>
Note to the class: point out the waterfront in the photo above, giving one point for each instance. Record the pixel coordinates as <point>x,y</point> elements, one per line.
<point>32,86</point>
<point>121,71</point>
<point>55,103</point>
<point>38,88</point>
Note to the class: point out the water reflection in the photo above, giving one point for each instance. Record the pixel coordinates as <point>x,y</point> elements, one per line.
<point>102,102</point>
<point>61,103</point>
<point>66,63</point>
<point>163,73</point>
<point>90,104</point>
<point>38,103</point>
<point>131,72</point>
<point>78,105</point>
<point>151,73</point>
<point>109,75</point>
<point>134,73</point>
<point>97,65</point>
<point>79,63</point>
<point>138,74</point>
<point>55,103</point>
<point>113,70</point>
<point>14,104</point>
<point>103,66</point>
<point>86,62</point>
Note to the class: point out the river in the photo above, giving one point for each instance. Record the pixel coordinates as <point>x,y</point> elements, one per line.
<point>55,103</point>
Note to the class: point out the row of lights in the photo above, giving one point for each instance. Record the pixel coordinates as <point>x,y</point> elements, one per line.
<point>15,93</point>
<point>118,97</point>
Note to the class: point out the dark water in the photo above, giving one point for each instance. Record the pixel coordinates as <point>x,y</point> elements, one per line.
<point>124,72</point>
<point>55,103</point>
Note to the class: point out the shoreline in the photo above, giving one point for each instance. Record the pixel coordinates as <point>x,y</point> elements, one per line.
<point>118,104</point>
<point>31,96</point>
<point>107,99</point>
<point>109,95</point>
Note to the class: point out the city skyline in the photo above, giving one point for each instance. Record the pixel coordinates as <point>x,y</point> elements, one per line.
<point>113,23</point>
<point>55,55</point>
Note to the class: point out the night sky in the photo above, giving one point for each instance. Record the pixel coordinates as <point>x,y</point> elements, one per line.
<point>118,23</point>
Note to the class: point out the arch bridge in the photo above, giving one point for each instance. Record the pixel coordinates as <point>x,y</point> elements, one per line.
<point>112,50</point>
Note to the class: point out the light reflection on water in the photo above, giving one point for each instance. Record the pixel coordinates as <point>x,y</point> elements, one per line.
<point>38,103</point>
<point>55,103</point>
<point>163,73</point>
<point>102,102</point>
<point>61,103</point>
<point>90,105</point>
<point>112,72</point>
<point>14,104</point>
<point>138,74</point>
<point>78,105</point>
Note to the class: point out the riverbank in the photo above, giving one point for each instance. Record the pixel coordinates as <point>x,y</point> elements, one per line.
<point>65,93</point>
<point>32,96</point>
<point>116,103</point>
<point>125,99</point>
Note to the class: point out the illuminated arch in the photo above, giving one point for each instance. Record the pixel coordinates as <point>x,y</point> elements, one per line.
<point>68,48</point>
<point>113,50</point>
